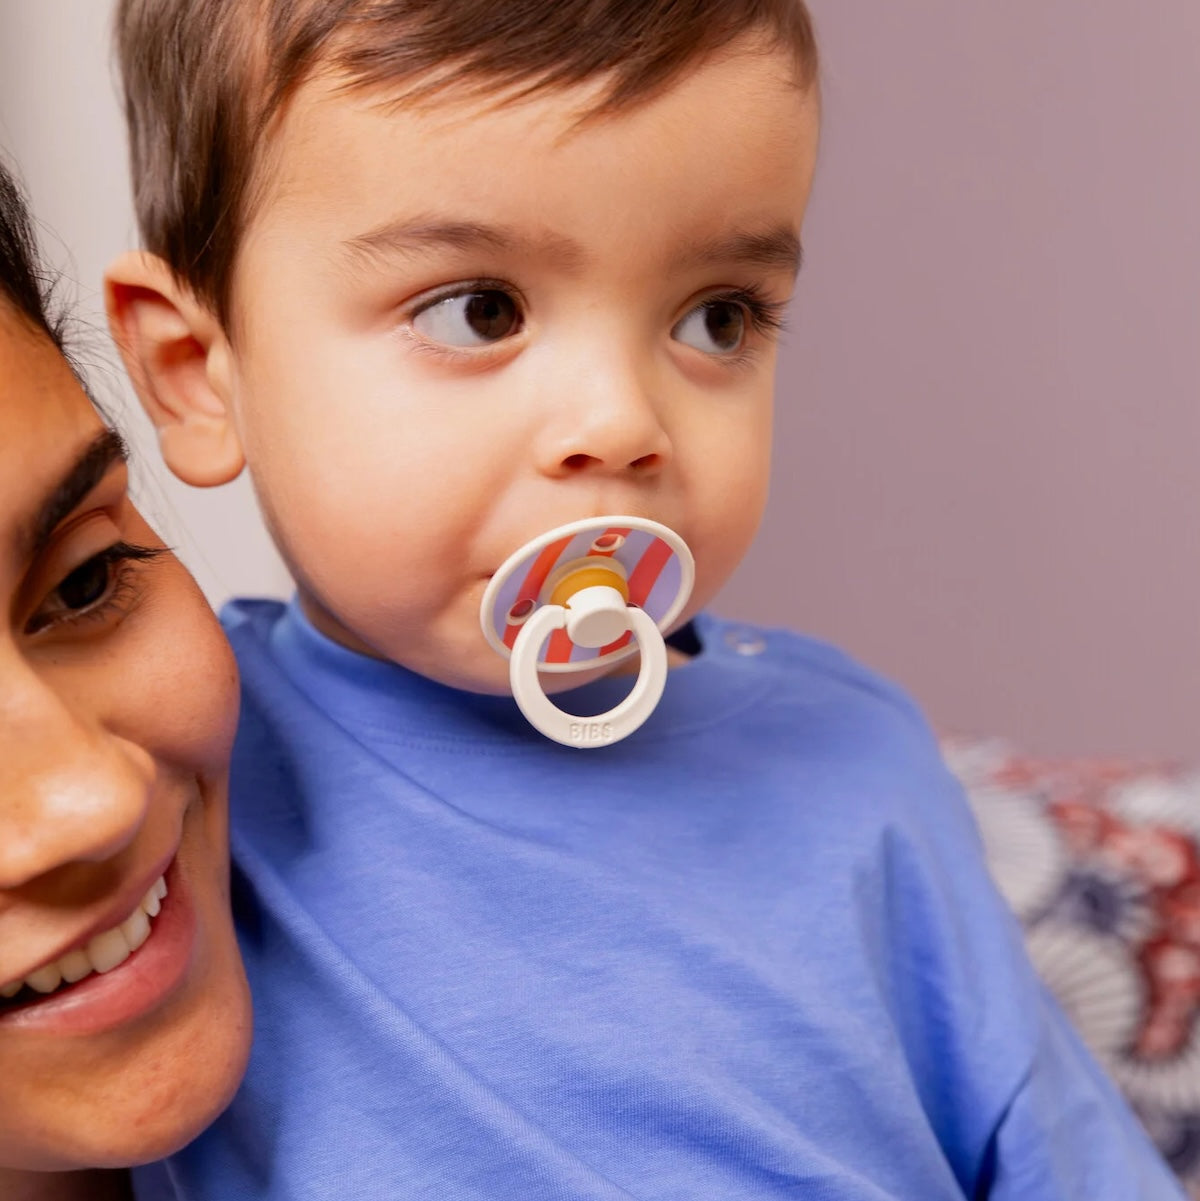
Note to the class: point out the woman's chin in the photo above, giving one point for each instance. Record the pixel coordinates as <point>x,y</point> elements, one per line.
<point>144,1116</point>
<point>153,1084</point>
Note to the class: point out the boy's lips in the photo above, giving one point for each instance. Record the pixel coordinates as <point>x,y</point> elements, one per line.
<point>113,983</point>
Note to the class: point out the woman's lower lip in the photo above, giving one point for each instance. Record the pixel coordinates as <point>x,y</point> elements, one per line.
<point>101,1002</point>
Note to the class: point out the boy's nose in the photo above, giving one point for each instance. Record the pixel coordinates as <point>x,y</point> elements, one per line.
<point>69,792</point>
<point>612,425</point>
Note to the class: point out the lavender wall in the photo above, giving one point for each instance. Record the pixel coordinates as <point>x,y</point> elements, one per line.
<point>987,462</point>
<point>990,404</point>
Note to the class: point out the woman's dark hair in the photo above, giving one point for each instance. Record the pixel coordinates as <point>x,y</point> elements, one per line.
<point>24,282</point>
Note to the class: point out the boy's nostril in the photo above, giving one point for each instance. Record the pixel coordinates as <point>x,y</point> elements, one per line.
<point>581,461</point>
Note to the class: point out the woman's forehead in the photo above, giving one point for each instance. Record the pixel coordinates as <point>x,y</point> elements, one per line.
<point>38,389</point>
<point>46,419</point>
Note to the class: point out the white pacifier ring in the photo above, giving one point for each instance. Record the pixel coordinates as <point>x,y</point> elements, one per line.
<point>583,596</point>
<point>618,722</point>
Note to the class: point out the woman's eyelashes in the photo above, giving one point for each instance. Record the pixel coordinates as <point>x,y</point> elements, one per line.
<point>101,588</point>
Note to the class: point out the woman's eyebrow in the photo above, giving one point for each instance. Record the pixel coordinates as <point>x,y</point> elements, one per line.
<point>91,466</point>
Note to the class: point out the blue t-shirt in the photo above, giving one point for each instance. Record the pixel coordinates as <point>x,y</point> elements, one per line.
<point>750,952</point>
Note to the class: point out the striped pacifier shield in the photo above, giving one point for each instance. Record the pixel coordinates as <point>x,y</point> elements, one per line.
<point>583,596</point>
<point>652,560</point>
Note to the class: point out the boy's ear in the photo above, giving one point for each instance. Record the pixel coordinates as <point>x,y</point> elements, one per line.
<point>179,360</point>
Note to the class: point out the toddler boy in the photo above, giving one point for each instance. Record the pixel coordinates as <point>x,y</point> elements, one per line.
<point>447,274</point>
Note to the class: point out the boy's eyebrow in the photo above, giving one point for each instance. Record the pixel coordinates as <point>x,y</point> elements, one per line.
<point>777,248</point>
<point>91,465</point>
<point>416,234</point>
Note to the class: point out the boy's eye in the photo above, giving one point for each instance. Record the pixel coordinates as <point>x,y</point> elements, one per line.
<point>467,319</point>
<point>715,327</point>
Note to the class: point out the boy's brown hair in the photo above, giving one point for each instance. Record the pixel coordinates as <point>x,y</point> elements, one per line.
<point>204,79</point>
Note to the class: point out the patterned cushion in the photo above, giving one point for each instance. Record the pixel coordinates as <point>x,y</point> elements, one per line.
<point>1100,861</point>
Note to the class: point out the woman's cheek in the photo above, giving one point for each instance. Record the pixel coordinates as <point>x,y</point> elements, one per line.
<point>186,700</point>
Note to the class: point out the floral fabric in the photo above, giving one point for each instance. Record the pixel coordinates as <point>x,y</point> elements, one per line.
<point>1100,861</point>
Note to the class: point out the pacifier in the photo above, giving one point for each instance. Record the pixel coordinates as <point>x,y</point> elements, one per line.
<point>583,596</point>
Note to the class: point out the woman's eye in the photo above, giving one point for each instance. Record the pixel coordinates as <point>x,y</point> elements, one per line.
<point>715,327</point>
<point>78,593</point>
<point>101,587</point>
<point>85,585</point>
<point>467,319</point>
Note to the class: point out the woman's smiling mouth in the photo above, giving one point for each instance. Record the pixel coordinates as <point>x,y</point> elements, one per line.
<point>118,975</point>
<point>103,953</point>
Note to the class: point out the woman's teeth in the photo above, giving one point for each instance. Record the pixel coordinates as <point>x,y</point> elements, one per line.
<point>103,953</point>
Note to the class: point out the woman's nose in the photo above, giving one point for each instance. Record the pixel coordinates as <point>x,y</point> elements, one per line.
<point>70,791</point>
<point>612,425</point>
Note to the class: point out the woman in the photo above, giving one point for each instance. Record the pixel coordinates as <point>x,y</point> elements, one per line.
<point>124,1014</point>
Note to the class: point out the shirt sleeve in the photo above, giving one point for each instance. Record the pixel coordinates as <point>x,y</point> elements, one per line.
<point>1068,1135</point>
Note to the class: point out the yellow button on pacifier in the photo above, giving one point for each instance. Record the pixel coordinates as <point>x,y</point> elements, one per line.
<point>592,572</point>
<point>594,591</point>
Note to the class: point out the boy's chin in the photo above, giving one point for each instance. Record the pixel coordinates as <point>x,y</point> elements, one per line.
<point>455,657</point>
<point>493,679</point>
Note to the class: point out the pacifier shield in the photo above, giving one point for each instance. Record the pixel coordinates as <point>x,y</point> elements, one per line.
<point>653,560</point>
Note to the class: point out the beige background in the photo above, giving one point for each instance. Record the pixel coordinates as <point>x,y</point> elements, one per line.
<point>989,425</point>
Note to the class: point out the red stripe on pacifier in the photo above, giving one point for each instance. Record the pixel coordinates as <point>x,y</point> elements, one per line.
<point>531,587</point>
<point>620,644</point>
<point>649,567</point>
<point>559,648</point>
<point>641,583</point>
